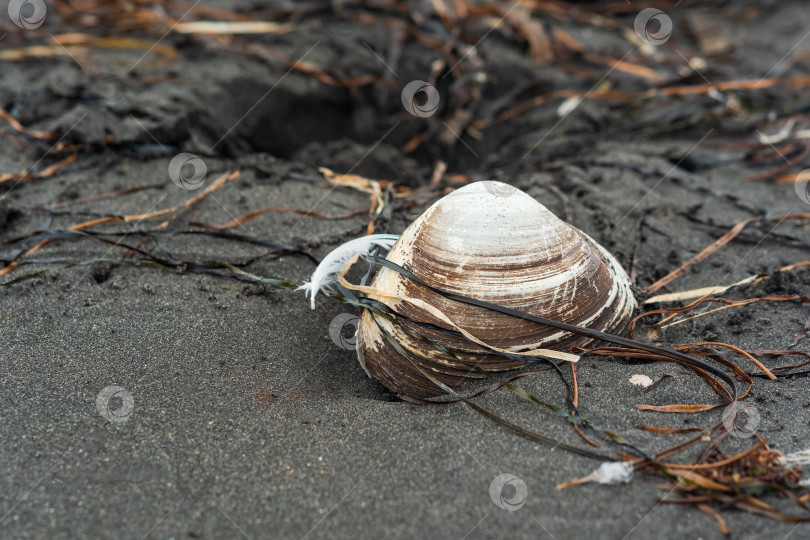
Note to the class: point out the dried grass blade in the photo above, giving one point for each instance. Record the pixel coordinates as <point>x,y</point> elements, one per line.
<point>704,254</point>
<point>712,512</point>
<point>699,293</point>
<point>232,27</point>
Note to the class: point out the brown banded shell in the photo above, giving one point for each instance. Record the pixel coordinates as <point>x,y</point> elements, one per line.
<point>492,242</point>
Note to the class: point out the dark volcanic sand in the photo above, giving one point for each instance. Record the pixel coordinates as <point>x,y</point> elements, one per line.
<point>248,419</point>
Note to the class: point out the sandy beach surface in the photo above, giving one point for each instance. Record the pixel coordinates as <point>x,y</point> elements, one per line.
<point>232,411</point>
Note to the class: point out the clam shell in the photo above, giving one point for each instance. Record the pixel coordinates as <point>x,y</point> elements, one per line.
<point>491,242</point>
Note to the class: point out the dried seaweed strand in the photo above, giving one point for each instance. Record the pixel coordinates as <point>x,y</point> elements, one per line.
<point>44,173</point>
<point>215,185</point>
<point>717,244</point>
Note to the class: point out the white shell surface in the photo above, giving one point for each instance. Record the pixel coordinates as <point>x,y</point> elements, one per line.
<point>493,242</point>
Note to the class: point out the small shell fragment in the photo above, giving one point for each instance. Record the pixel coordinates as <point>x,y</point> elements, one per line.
<point>640,379</point>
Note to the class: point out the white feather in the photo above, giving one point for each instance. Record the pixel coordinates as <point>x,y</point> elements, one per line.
<point>613,472</point>
<point>796,458</point>
<point>325,275</point>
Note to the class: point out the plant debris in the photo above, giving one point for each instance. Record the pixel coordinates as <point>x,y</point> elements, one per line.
<point>620,84</point>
